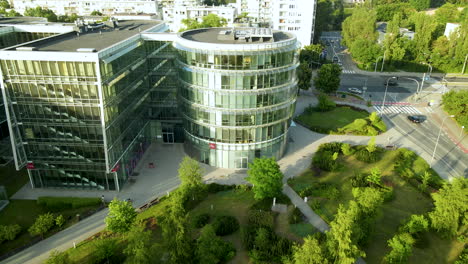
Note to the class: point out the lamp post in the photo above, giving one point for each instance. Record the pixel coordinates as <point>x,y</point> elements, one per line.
<point>383,61</point>
<point>385,94</point>
<point>376,62</point>
<point>461,131</point>
<point>430,69</point>
<point>464,64</point>
<point>437,142</point>
<point>417,87</point>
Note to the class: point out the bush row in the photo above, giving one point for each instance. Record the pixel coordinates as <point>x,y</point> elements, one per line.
<point>56,204</point>
<point>9,232</point>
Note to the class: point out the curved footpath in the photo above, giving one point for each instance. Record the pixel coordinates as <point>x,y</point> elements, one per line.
<point>155,182</point>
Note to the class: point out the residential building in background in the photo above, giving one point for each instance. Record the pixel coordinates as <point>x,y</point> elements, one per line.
<point>86,7</point>
<point>174,15</point>
<point>84,101</point>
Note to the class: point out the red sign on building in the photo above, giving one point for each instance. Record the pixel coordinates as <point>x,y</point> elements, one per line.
<point>30,166</point>
<point>212,146</point>
<point>116,168</point>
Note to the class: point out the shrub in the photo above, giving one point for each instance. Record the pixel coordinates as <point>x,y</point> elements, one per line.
<point>346,149</point>
<point>416,224</point>
<point>359,179</point>
<point>380,125</point>
<point>331,146</point>
<point>316,205</point>
<point>296,216</point>
<point>225,225</point>
<point>257,218</point>
<point>357,127</point>
<point>324,160</point>
<point>105,251</point>
<point>201,220</point>
<point>215,187</point>
<point>371,131</point>
<point>324,103</point>
<point>364,155</point>
<point>42,224</point>
<point>9,232</point>
<point>57,257</point>
<point>56,204</point>
<point>60,220</point>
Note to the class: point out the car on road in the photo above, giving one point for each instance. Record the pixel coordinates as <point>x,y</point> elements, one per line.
<point>391,82</point>
<point>417,118</point>
<point>355,90</point>
<point>327,43</point>
<point>335,58</point>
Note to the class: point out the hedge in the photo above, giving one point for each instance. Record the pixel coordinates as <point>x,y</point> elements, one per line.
<point>64,203</point>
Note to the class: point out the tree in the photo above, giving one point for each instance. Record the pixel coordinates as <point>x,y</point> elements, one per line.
<point>175,230</point>
<point>138,245</point>
<point>450,207</point>
<point>40,12</point>
<point>190,173</point>
<point>4,4</point>
<point>341,239</point>
<point>328,78</point>
<point>304,74</point>
<point>57,257</point>
<point>121,216</point>
<point>214,2</point>
<point>425,178</point>
<point>264,173</point>
<point>375,177</point>
<point>455,103</point>
<point>42,224</point>
<point>420,4</point>
<point>369,199</point>
<point>208,21</point>
<point>105,250</point>
<point>365,50</point>
<point>59,221</point>
<point>402,248</point>
<point>211,249</point>
<point>310,54</point>
<point>325,103</point>
<point>96,13</point>
<point>424,27</point>
<point>310,252</point>
<point>416,224</point>
<point>360,25</point>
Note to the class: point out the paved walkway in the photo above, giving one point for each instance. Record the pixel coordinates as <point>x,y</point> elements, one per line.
<point>155,182</point>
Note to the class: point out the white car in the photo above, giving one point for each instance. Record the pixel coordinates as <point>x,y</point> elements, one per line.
<point>355,90</point>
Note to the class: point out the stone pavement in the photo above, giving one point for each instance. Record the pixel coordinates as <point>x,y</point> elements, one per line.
<point>152,183</point>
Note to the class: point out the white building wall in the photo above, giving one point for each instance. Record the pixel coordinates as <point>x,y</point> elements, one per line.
<point>85,7</point>
<point>259,10</point>
<point>295,16</point>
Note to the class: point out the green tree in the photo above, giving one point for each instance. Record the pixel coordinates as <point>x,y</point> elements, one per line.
<point>208,21</point>
<point>369,199</point>
<point>325,103</point>
<point>215,2</point>
<point>311,252</point>
<point>175,230</point>
<point>425,179</point>
<point>138,248</point>
<point>121,216</point>
<point>59,221</point>
<point>420,4</point>
<point>105,250</point>
<point>375,177</point>
<point>360,25</point>
<point>424,27</point>
<point>416,224</point>
<point>40,12</point>
<point>455,103</point>
<point>190,173</point>
<point>310,54</point>
<point>450,207</point>
<point>328,78</point>
<point>341,240</point>
<point>365,51</point>
<point>346,149</point>
<point>4,4</point>
<point>96,13</point>
<point>402,248</point>
<point>42,224</point>
<point>57,257</point>
<point>266,176</point>
<point>212,249</point>
<point>304,74</point>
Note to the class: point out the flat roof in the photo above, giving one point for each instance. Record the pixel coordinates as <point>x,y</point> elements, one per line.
<point>98,39</point>
<point>211,35</point>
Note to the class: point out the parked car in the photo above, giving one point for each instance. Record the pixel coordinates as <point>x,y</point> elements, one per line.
<point>417,118</point>
<point>335,58</point>
<point>355,90</point>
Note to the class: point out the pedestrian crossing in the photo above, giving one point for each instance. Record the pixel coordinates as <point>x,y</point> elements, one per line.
<point>348,71</point>
<point>399,109</point>
<point>429,110</point>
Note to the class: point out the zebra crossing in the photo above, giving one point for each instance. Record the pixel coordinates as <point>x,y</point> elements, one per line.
<point>429,110</point>
<point>398,109</point>
<point>348,71</point>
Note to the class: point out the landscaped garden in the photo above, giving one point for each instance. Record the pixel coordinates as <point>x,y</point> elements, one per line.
<point>328,118</point>
<point>397,185</point>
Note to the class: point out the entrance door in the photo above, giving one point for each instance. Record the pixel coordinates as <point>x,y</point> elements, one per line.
<point>168,134</point>
<point>242,163</point>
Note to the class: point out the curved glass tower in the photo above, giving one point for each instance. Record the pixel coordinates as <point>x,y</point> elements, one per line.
<point>237,93</point>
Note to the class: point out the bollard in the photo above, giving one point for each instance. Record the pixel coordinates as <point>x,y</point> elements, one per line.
<point>274,201</point>
<point>212,207</point>
<point>74,245</point>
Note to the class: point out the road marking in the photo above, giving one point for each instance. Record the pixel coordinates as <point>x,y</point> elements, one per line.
<point>397,110</point>
<point>429,110</point>
<point>348,72</point>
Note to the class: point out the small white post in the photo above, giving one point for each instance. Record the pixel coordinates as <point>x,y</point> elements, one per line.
<point>305,199</point>
<point>167,193</point>
<point>74,245</point>
<point>274,201</point>
<point>212,207</point>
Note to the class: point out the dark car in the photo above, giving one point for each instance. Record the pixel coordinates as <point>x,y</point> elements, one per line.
<point>391,82</point>
<point>417,118</point>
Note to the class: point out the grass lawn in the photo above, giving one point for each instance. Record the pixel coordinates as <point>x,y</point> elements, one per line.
<point>24,213</point>
<point>12,180</point>
<point>331,120</point>
<point>408,200</point>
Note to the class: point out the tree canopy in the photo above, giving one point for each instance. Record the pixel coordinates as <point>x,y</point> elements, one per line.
<point>121,216</point>
<point>265,175</point>
<point>41,12</point>
<point>208,21</point>
<point>328,78</point>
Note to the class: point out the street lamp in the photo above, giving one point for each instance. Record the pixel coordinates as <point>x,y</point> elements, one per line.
<point>383,61</point>
<point>437,142</point>
<point>417,87</point>
<point>376,63</point>
<point>385,94</point>
<point>461,131</point>
<point>464,64</point>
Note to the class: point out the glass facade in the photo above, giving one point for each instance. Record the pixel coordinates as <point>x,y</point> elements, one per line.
<point>237,104</point>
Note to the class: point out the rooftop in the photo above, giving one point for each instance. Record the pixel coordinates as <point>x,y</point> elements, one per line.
<point>98,38</point>
<point>236,35</point>
<point>22,20</point>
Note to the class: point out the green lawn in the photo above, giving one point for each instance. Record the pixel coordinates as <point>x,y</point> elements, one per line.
<point>408,200</point>
<point>12,180</point>
<point>331,120</point>
<point>24,213</point>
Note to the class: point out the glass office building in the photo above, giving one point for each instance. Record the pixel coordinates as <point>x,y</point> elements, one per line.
<point>237,93</point>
